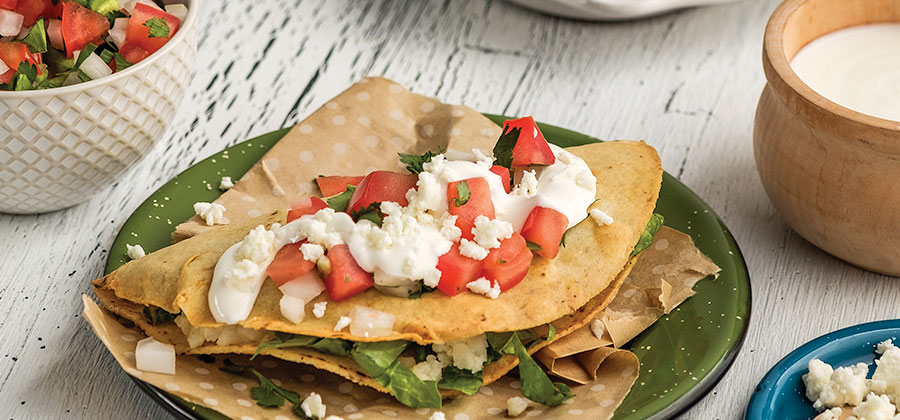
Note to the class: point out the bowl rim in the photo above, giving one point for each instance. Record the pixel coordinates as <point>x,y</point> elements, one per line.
<point>774,56</point>
<point>186,26</point>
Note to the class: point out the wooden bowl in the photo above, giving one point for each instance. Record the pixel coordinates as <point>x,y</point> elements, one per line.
<point>833,173</point>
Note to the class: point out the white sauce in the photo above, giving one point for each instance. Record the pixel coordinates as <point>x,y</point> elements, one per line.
<point>858,68</point>
<point>406,248</point>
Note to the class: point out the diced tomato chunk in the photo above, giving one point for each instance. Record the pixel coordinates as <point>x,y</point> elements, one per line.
<point>133,53</point>
<point>457,271</point>
<point>509,263</point>
<point>140,34</point>
<point>381,186</point>
<point>53,12</point>
<point>289,264</point>
<point>304,206</point>
<point>531,147</point>
<point>12,54</point>
<point>504,176</point>
<point>32,10</point>
<point>81,26</point>
<point>346,278</point>
<point>478,204</point>
<point>545,227</point>
<point>332,185</point>
<point>8,4</point>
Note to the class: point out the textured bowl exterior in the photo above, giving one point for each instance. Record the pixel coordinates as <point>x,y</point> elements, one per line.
<point>60,146</point>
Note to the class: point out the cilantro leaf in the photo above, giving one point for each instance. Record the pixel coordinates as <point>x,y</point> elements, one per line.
<point>462,380</point>
<point>28,70</point>
<point>267,394</point>
<point>121,62</point>
<point>158,27</point>
<point>504,147</point>
<point>536,385</point>
<point>341,201</point>
<point>157,316</point>
<point>415,163</point>
<point>424,289</point>
<point>535,247</point>
<point>36,40</point>
<point>653,226</point>
<point>463,194</point>
<point>372,213</point>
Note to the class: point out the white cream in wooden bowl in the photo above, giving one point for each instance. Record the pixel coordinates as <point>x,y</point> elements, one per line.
<point>858,68</point>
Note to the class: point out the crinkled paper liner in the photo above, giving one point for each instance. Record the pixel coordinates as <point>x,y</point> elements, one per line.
<point>353,134</point>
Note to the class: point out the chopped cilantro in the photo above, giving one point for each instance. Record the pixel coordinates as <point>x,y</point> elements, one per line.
<point>371,213</point>
<point>420,292</point>
<point>415,163</point>
<point>342,200</point>
<point>463,194</point>
<point>36,40</point>
<point>533,246</point>
<point>504,147</point>
<point>267,394</point>
<point>121,62</point>
<point>158,27</point>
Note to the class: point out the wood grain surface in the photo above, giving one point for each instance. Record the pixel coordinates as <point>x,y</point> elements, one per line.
<point>687,83</point>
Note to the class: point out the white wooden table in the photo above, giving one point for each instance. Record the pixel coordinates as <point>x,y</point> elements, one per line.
<point>685,82</point>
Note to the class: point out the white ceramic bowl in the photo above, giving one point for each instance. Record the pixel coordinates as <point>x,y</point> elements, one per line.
<point>60,146</point>
<point>611,10</point>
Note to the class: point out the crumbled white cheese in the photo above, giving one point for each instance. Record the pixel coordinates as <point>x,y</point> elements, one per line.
<point>483,286</point>
<point>472,250</point>
<point>468,353</point>
<point>342,323</point>
<point>427,195</point>
<point>312,252</point>
<point>598,328</point>
<point>429,370</point>
<point>211,213</point>
<point>312,406</point>
<point>601,218</point>
<point>528,186</point>
<point>432,277</point>
<point>830,414</point>
<point>258,246</point>
<point>135,251</point>
<point>438,415</point>
<point>884,346</point>
<point>226,183</point>
<point>516,406</point>
<point>449,230</point>
<point>243,275</point>
<point>875,407</point>
<point>888,370</point>
<point>828,387</point>
<point>482,159</point>
<point>325,227</point>
<point>319,309</point>
<point>488,233</point>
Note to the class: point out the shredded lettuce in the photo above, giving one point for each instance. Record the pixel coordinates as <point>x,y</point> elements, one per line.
<point>341,201</point>
<point>536,385</point>
<point>332,346</point>
<point>653,226</point>
<point>380,360</point>
<point>462,380</point>
<point>156,316</point>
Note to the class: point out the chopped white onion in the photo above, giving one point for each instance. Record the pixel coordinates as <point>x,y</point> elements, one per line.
<point>10,22</point>
<point>118,31</point>
<point>178,10</point>
<point>305,287</point>
<point>54,34</point>
<point>369,322</point>
<point>94,67</point>
<point>153,356</point>
<point>3,67</point>
<point>23,33</point>
<point>293,308</point>
<point>128,5</point>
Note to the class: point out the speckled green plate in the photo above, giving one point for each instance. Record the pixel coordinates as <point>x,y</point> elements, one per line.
<point>682,356</point>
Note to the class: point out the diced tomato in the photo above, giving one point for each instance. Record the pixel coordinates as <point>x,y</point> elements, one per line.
<point>12,54</point>
<point>54,12</point>
<point>133,53</point>
<point>8,4</point>
<point>381,186</point>
<point>346,278</point>
<point>332,185</point>
<point>81,26</point>
<point>289,264</point>
<point>545,227</point>
<point>140,34</point>
<point>509,263</point>
<point>504,176</point>
<point>457,271</point>
<point>32,10</point>
<point>479,204</point>
<point>304,206</point>
<point>531,147</point>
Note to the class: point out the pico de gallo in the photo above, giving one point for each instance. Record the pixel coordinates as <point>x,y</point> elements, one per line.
<point>53,43</point>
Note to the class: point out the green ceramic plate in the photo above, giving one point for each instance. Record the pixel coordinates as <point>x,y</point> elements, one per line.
<point>682,356</point>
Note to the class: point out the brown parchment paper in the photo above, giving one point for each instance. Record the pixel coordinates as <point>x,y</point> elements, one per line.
<point>354,134</point>
<point>662,278</point>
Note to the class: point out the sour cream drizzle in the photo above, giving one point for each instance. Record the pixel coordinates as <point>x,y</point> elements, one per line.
<point>407,246</point>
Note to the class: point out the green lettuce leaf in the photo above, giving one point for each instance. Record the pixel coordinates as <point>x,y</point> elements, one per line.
<point>462,380</point>
<point>380,361</point>
<point>332,346</point>
<point>536,385</point>
<point>341,201</point>
<point>156,316</point>
<point>653,226</point>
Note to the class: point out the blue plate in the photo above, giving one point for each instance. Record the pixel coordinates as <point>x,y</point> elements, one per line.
<point>782,395</point>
